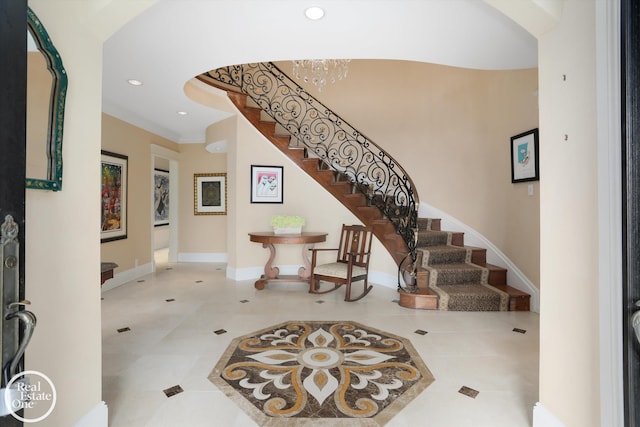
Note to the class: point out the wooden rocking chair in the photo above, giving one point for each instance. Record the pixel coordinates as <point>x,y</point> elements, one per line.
<point>352,263</point>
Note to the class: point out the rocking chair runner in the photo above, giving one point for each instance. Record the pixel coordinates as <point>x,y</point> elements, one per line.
<point>352,263</point>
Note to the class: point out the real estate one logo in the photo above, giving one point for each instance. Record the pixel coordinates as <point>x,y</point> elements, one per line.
<point>30,396</point>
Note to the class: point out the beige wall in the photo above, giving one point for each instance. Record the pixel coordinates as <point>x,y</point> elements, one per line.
<point>450,128</point>
<point>302,196</point>
<point>123,138</point>
<point>62,234</point>
<point>471,115</point>
<point>62,253</point>
<point>569,344</point>
<point>199,233</point>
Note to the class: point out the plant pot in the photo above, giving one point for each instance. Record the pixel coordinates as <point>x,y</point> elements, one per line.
<point>287,230</point>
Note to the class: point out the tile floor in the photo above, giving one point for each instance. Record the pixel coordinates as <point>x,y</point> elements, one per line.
<point>176,317</point>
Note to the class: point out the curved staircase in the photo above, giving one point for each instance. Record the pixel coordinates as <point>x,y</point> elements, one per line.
<point>444,274</point>
<point>357,197</point>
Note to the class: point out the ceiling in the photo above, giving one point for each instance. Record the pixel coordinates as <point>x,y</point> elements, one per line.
<point>175,40</point>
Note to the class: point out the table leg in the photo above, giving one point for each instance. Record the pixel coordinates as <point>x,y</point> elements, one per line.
<point>305,271</point>
<point>260,284</point>
<point>270,272</point>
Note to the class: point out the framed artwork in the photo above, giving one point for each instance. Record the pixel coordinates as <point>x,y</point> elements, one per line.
<point>210,194</point>
<point>114,196</point>
<point>160,197</point>
<point>524,157</point>
<point>266,184</point>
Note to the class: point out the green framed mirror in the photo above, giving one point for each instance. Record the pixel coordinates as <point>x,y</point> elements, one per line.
<point>46,95</point>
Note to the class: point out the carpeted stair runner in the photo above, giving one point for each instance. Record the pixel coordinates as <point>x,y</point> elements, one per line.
<point>459,284</point>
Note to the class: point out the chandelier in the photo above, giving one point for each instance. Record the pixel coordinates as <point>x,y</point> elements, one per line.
<point>319,71</point>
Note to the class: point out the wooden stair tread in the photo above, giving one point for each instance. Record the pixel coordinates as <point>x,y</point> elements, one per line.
<point>518,300</point>
<point>422,299</point>
<point>511,290</point>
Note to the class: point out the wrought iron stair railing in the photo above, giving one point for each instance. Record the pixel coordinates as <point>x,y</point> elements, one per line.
<point>335,142</point>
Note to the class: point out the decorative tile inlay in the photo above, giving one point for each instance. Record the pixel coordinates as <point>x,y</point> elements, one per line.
<point>220,332</point>
<point>170,300</point>
<point>172,391</point>
<point>124,329</point>
<point>299,372</point>
<point>468,391</point>
<point>421,332</point>
<point>244,300</point>
<point>522,331</point>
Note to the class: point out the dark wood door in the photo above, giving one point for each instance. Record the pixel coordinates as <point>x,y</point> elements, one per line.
<point>630,55</point>
<point>13,96</point>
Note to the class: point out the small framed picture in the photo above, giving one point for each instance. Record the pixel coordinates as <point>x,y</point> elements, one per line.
<point>210,194</point>
<point>161,197</point>
<point>266,184</point>
<point>114,196</point>
<point>524,157</point>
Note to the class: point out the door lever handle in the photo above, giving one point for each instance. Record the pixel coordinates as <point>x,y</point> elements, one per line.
<point>19,303</point>
<point>29,321</point>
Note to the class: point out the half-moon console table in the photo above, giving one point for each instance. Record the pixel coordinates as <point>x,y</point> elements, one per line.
<point>269,240</point>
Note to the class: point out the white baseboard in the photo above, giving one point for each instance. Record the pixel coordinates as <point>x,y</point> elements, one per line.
<point>253,273</point>
<point>202,257</point>
<point>515,277</point>
<point>96,417</point>
<point>249,273</point>
<point>383,279</point>
<point>542,417</point>
<point>142,270</point>
<point>127,276</point>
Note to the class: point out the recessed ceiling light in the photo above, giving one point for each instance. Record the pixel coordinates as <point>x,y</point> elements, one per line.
<point>314,13</point>
<point>134,82</point>
<point>182,113</point>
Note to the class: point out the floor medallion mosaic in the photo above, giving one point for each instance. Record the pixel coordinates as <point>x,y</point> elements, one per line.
<point>332,373</point>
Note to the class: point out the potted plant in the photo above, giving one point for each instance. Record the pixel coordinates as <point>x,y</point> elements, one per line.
<point>287,224</point>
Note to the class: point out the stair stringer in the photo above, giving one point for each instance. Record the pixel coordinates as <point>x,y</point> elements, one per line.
<point>347,195</point>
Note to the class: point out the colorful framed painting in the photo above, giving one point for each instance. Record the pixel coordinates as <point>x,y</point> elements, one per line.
<point>210,194</point>
<point>266,184</point>
<point>114,196</point>
<point>160,197</point>
<point>524,157</point>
